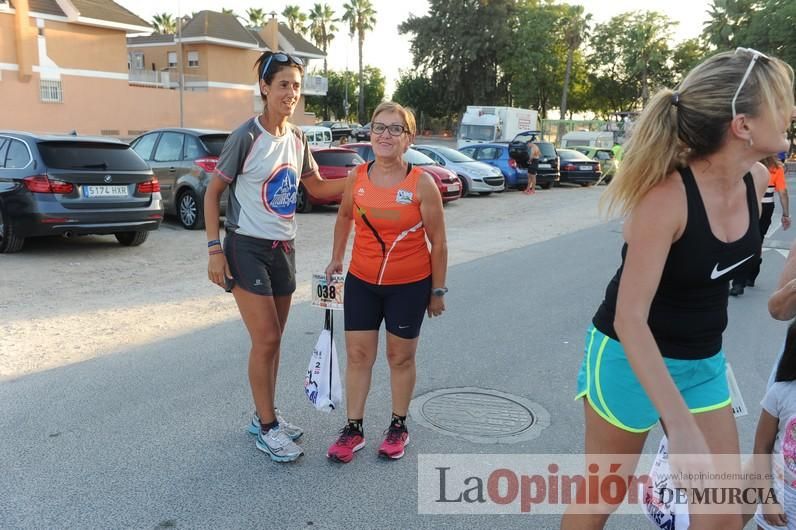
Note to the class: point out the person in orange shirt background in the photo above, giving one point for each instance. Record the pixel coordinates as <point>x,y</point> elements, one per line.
<point>394,276</point>
<point>776,184</point>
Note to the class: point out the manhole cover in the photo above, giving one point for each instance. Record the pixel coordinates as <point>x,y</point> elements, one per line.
<point>480,415</point>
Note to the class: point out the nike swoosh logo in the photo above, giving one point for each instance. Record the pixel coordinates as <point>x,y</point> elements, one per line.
<point>716,273</point>
<point>402,327</point>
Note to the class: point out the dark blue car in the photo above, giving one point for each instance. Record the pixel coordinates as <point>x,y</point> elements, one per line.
<point>497,154</point>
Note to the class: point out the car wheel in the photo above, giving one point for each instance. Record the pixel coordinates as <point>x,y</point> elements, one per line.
<point>190,211</point>
<point>303,204</point>
<point>547,185</point>
<point>131,239</point>
<point>465,189</point>
<point>9,242</point>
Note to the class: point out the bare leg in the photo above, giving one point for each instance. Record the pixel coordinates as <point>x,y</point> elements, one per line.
<point>361,347</point>
<point>262,321</point>
<point>282,304</point>
<point>721,435</point>
<point>602,438</point>
<point>401,358</point>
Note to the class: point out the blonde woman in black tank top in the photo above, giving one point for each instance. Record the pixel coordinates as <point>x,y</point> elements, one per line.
<point>690,188</point>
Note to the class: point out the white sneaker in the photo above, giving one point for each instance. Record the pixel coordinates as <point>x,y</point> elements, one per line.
<point>276,444</point>
<point>293,431</point>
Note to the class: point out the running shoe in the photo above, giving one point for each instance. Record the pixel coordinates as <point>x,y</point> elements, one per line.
<point>276,444</point>
<point>293,431</point>
<point>396,439</point>
<point>349,442</point>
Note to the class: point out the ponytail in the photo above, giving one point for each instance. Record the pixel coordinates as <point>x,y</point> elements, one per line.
<point>653,151</point>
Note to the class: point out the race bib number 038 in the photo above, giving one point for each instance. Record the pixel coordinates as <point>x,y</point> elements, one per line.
<point>328,295</point>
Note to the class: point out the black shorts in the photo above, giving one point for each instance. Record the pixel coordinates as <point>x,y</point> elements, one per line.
<point>260,266</point>
<point>401,306</point>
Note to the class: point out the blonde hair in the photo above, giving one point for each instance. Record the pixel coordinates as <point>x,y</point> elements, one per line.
<point>407,115</point>
<point>677,127</point>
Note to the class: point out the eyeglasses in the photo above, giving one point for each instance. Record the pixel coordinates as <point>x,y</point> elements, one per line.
<point>282,58</point>
<point>394,130</point>
<point>756,56</point>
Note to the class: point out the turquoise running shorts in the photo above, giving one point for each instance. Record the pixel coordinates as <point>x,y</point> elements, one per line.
<point>609,384</point>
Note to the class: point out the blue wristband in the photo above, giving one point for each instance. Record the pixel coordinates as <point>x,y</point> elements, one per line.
<point>213,243</point>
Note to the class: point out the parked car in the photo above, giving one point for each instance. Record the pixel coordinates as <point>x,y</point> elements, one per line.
<point>497,155</point>
<point>333,163</point>
<point>448,183</point>
<point>578,168</point>
<point>317,136</point>
<point>547,171</point>
<point>74,185</point>
<point>476,177</point>
<point>183,161</point>
<point>362,134</point>
<point>339,130</point>
<point>606,158</point>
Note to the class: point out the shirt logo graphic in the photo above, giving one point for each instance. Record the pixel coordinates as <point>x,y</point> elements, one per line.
<point>404,197</point>
<point>280,190</point>
<point>716,273</point>
<point>361,191</point>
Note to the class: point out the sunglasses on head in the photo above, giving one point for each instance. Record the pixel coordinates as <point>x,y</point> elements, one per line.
<point>281,58</point>
<point>756,56</point>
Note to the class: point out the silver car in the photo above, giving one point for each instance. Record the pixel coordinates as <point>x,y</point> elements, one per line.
<point>476,177</point>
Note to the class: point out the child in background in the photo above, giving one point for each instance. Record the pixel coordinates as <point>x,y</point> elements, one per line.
<point>776,434</point>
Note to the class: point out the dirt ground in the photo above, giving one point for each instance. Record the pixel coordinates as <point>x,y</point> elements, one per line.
<point>64,301</point>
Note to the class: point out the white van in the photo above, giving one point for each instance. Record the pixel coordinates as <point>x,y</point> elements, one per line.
<point>587,139</point>
<point>317,136</point>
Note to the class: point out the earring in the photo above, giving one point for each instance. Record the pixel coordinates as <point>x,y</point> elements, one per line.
<point>751,143</point>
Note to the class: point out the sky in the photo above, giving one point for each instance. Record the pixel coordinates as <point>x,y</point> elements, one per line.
<point>388,50</point>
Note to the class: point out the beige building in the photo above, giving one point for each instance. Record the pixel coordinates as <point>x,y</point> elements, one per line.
<point>69,65</point>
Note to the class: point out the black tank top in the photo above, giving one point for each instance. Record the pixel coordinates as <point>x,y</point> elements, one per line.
<point>689,311</point>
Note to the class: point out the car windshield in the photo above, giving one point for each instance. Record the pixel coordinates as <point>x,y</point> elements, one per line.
<point>453,155</point>
<point>337,158</point>
<point>547,149</point>
<point>214,143</point>
<point>417,158</point>
<point>571,154</point>
<point>483,133</point>
<point>90,155</point>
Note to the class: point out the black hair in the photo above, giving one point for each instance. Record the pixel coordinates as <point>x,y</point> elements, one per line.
<point>274,67</point>
<point>786,370</point>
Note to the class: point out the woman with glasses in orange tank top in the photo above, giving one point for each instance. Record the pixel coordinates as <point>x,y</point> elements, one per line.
<point>397,273</point>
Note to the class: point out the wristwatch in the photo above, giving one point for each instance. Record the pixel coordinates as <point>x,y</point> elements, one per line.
<point>439,291</point>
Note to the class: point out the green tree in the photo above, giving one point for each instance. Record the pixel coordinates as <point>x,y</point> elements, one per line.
<point>226,11</point>
<point>629,54</point>
<point>576,28</point>
<point>536,75</point>
<point>164,23</point>
<point>296,18</point>
<point>727,22</point>
<point>361,18</point>
<point>322,30</point>
<point>460,43</point>
<point>256,17</point>
<point>418,92</point>
<point>340,84</point>
<point>686,56</point>
<point>374,91</point>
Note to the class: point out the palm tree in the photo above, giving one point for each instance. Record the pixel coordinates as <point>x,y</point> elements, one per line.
<point>361,18</point>
<point>322,30</point>
<point>225,11</point>
<point>256,17</point>
<point>576,27</point>
<point>295,19</point>
<point>164,24</point>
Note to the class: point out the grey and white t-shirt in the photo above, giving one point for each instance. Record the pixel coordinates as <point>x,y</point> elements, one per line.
<point>263,172</point>
<point>780,402</point>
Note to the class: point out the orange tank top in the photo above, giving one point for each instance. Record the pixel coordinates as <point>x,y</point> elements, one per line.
<point>389,239</point>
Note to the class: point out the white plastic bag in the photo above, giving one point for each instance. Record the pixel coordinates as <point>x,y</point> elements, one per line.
<point>662,512</point>
<point>322,382</point>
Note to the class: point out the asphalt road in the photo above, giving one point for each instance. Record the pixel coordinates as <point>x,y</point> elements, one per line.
<point>155,436</point>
